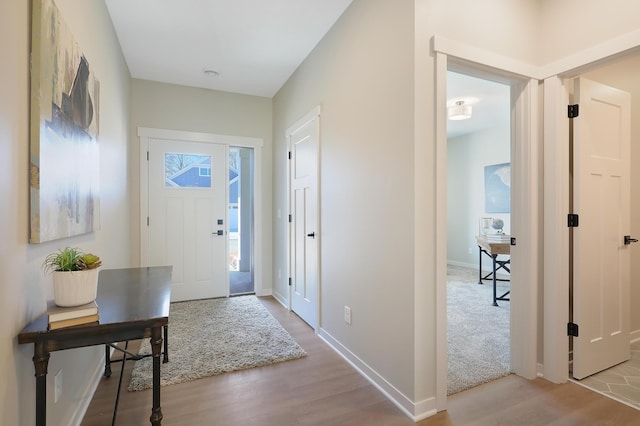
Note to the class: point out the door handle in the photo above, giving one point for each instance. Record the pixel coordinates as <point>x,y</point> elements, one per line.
<point>311,235</point>
<point>628,240</point>
<point>219,232</point>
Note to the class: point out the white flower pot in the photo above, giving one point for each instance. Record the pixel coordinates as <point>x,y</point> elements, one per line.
<point>74,288</point>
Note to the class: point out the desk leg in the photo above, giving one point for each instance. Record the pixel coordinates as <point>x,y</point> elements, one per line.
<point>41,363</point>
<point>107,361</point>
<point>479,265</point>
<point>156,350</point>
<point>494,256</point>
<point>166,344</point>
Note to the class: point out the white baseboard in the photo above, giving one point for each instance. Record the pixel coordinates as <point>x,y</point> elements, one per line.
<point>414,410</point>
<point>283,301</point>
<point>265,292</point>
<point>486,267</point>
<point>462,264</point>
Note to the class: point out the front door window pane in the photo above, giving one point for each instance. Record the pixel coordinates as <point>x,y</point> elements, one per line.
<point>187,170</point>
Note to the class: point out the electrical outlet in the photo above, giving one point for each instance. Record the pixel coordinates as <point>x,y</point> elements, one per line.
<point>347,315</point>
<point>57,386</point>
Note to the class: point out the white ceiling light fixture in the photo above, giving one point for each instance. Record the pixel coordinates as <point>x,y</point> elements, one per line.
<point>459,111</point>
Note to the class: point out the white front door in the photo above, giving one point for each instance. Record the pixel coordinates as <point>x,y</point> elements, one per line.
<point>304,232</point>
<point>187,216</point>
<point>601,198</point>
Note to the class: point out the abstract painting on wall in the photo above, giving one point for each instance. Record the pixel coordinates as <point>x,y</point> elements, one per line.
<point>64,156</point>
<point>497,188</point>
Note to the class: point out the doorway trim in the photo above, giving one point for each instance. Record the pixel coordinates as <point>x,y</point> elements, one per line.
<point>148,135</point>
<point>525,155</point>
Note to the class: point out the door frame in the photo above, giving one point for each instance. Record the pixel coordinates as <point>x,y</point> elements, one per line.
<point>526,225</point>
<point>148,135</point>
<point>314,113</point>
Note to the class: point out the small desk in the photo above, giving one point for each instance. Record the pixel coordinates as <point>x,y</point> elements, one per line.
<point>133,304</point>
<point>492,250</point>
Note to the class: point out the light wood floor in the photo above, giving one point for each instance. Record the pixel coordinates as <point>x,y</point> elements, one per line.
<point>322,389</point>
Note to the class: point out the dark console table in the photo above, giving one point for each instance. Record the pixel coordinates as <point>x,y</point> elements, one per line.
<point>133,304</point>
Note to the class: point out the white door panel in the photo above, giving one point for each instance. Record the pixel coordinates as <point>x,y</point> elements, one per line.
<point>601,155</point>
<point>304,234</point>
<point>187,198</point>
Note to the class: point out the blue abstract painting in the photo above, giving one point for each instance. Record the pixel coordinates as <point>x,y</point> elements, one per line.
<point>497,188</point>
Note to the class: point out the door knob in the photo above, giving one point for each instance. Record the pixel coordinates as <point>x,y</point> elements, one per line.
<point>312,235</point>
<point>628,240</point>
<point>219,232</point>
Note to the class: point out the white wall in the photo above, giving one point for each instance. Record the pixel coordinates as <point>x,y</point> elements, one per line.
<point>570,26</point>
<point>24,291</point>
<point>172,107</point>
<point>361,74</point>
<point>373,77</point>
<point>467,156</point>
<point>505,27</point>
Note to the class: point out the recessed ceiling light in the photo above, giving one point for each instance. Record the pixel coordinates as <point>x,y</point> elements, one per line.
<point>210,72</point>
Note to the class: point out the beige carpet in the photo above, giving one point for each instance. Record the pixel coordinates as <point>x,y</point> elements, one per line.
<point>214,336</point>
<point>477,331</point>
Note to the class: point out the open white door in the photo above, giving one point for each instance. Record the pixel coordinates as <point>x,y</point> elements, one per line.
<point>601,198</point>
<point>187,216</point>
<point>304,233</point>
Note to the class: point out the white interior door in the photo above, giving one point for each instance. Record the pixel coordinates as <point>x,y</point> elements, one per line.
<point>187,216</point>
<point>601,198</point>
<point>304,232</point>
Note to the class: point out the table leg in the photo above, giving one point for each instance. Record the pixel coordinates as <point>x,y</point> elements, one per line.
<point>494,256</point>
<point>41,363</point>
<point>107,361</point>
<point>156,350</point>
<point>166,344</point>
<point>480,265</point>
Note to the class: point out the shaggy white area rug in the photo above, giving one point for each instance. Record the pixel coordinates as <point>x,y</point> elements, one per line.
<point>477,333</point>
<point>214,336</point>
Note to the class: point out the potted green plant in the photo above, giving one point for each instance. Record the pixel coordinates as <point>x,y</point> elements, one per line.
<point>75,276</point>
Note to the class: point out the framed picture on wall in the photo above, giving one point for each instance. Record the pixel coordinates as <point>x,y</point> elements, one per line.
<point>64,161</point>
<point>497,188</point>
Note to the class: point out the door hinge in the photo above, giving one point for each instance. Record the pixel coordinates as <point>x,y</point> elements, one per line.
<point>573,111</point>
<point>289,155</point>
<point>147,155</point>
<point>572,329</point>
<point>572,220</point>
<point>147,220</point>
<point>289,281</point>
<point>290,219</point>
<point>513,241</point>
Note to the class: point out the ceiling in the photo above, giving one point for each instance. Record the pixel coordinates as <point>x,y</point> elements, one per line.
<point>491,103</point>
<point>253,45</point>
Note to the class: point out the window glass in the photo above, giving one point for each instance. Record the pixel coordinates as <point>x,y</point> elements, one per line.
<point>187,170</point>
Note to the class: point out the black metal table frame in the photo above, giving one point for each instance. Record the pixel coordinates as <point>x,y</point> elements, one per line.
<point>497,265</point>
<point>147,292</point>
<point>128,356</point>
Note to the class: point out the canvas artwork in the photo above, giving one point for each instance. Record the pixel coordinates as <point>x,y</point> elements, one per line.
<point>497,188</point>
<point>64,155</point>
